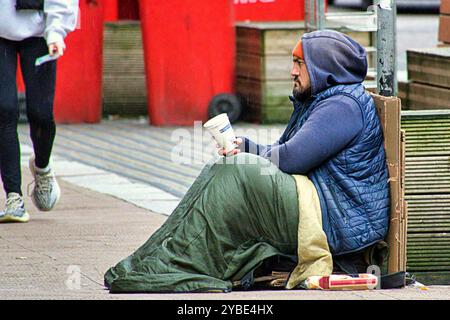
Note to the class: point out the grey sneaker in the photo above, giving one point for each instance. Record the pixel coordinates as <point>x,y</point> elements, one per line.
<point>15,209</point>
<point>46,191</point>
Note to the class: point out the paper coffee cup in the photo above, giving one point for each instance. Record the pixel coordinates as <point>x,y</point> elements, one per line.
<point>222,131</point>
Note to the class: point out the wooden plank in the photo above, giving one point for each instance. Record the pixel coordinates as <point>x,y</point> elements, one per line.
<point>281,42</point>
<point>428,173</point>
<point>124,86</point>
<point>252,115</point>
<point>423,242</point>
<point>427,160</point>
<point>424,267</point>
<point>431,209</point>
<point>429,66</point>
<point>439,247</point>
<point>431,236</point>
<point>426,218</point>
<point>434,122</point>
<point>430,180</point>
<point>432,149</point>
<point>431,223</point>
<point>403,93</point>
<point>419,258</point>
<point>264,68</point>
<point>429,114</point>
<point>363,38</point>
<point>425,199</point>
<point>428,153</point>
<point>422,96</point>
<point>280,89</point>
<point>429,139</point>
<point>421,214</point>
<point>430,190</point>
<point>248,41</point>
<point>429,229</point>
<point>277,68</point>
<point>249,66</point>
<point>250,92</point>
<point>433,278</point>
<point>421,250</point>
<point>417,249</point>
<point>428,201</point>
<point>404,203</point>
<point>431,250</point>
<point>427,130</point>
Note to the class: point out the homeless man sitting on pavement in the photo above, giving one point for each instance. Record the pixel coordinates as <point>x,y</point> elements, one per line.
<point>326,195</point>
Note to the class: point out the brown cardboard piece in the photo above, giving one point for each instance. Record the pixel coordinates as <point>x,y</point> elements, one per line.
<point>389,113</point>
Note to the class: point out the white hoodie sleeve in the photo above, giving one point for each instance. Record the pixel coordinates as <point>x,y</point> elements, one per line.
<point>60,19</point>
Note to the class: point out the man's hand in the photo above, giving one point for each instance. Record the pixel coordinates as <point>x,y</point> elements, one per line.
<point>56,48</point>
<point>223,152</point>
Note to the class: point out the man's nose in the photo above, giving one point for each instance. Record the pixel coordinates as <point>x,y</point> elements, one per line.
<point>295,72</point>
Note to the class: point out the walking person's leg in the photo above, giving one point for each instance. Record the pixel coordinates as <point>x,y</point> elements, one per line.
<point>9,141</point>
<point>40,93</point>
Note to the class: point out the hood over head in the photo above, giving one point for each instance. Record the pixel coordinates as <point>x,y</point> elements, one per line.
<point>333,58</point>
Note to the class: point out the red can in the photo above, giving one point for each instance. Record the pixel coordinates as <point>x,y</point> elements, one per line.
<point>189,49</point>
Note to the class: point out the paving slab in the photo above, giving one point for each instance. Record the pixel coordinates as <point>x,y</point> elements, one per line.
<point>143,195</point>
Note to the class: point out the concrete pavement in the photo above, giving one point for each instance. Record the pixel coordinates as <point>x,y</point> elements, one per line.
<point>63,254</point>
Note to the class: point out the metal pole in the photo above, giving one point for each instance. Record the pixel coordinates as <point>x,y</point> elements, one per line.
<point>386,48</point>
<point>314,15</point>
<point>309,15</point>
<point>320,14</point>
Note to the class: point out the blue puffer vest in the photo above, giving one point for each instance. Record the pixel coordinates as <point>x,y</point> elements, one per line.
<point>352,186</point>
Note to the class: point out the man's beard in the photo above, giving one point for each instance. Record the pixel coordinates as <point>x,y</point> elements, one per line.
<point>301,95</point>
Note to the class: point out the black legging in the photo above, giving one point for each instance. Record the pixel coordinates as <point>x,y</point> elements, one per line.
<point>40,92</point>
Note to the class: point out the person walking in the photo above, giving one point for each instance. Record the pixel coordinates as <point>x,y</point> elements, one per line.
<point>30,29</point>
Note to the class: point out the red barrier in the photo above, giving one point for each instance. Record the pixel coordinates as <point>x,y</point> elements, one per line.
<point>111,10</point>
<point>269,10</point>
<point>79,77</point>
<point>189,52</point>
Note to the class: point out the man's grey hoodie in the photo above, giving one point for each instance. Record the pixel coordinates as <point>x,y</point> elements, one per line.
<point>58,18</point>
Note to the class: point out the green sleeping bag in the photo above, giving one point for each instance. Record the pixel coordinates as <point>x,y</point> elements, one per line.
<point>240,211</point>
